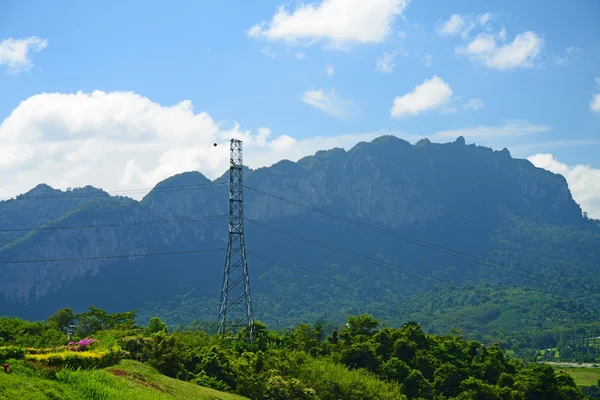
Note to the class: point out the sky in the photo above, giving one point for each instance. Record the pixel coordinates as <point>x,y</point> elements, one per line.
<point>121,95</point>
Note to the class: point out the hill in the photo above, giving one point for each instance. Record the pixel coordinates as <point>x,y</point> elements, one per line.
<point>373,229</point>
<point>129,380</point>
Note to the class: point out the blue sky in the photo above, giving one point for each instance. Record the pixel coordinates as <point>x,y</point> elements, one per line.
<point>516,74</point>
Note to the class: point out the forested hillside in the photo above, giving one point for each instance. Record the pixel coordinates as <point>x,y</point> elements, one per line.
<point>403,232</point>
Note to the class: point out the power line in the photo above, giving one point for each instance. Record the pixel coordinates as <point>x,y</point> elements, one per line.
<point>132,223</point>
<point>292,267</point>
<point>361,257</point>
<point>422,243</point>
<point>116,192</point>
<point>167,253</point>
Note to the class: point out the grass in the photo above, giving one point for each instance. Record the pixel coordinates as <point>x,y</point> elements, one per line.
<point>126,380</point>
<point>583,376</point>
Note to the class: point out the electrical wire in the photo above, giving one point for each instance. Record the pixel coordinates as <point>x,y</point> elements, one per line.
<point>323,277</point>
<point>361,257</point>
<point>422,243</point>
<point>167,253</point>
<point>132,223</point>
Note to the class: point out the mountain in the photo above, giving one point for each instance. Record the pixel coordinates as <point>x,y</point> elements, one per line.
<point>408,208</point>
<point>39,206</point>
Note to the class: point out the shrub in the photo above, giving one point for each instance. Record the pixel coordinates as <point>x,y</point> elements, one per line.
<point>74,360</point>
<point>137,347</point>
<point>11,352</point>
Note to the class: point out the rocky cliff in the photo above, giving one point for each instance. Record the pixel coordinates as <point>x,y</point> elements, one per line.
<point>451,194</point>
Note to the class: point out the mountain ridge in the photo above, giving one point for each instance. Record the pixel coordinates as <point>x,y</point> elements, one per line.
<point>464,197</point>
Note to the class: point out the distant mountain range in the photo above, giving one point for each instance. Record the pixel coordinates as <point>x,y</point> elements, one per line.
<point>428,207</point>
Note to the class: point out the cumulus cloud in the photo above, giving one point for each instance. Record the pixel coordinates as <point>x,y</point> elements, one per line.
<point>123,141</point>
<point>329,102</point>
<point>489,50</point>
<point>330,70</point>
<point>16,53</point>
<point>336,22</point>
<point>584,181</point>
<point>430,95</point>
<point>474,104</point>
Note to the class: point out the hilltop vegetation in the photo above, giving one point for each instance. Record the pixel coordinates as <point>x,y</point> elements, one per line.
<point>361,361</point>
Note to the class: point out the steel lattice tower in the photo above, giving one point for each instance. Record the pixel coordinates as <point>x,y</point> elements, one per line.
<point>236,306</point>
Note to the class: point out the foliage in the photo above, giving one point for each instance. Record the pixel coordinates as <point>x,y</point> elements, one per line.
<point>128,380</point>
<point>9,352</point>
<point>155,326</point>
<point>96,319</point>
<point>77,359</point>
<point>361,360</point>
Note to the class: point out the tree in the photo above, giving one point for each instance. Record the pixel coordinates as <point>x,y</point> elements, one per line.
<point>62,319</point>
<point>362,325</point>
<point>155,326</point>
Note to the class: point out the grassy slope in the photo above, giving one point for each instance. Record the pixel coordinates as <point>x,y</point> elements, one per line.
<point>127,380</point>
<point>583,376</point>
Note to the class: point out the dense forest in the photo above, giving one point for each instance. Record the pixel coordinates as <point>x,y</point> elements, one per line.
<point>361,360</point>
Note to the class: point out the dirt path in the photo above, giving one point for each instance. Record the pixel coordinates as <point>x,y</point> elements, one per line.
<point>572,364</point>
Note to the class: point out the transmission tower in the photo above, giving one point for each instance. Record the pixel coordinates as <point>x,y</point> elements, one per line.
<point>236,306</point>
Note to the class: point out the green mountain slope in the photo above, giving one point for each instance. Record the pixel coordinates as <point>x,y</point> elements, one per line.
<point>393,200</point>
<point>38,207</point>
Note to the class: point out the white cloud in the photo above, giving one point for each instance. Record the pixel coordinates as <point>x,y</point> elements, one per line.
<point>574,50</point>
<point>122,141</point>
<point>300,55</point>
<point>474,104</point>
<point>595,104</point>
<point>453,26</point>
<point>385,63</point>
<point>570,52</point>
<point>330,70</point>
<point>427,58</point>
<point>521,52</point>
<point>431,94</point>
<point>337,22</point>
<point>510,129</point>
<point>584,181</point>
<point>485,18</point>
<point>463,24</point>
<point>16,53</point>
<point>330,103</point>
<point>267,52</point>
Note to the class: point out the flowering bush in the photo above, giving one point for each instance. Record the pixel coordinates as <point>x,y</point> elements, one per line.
<point>78,359</point>
<point>81,345</point>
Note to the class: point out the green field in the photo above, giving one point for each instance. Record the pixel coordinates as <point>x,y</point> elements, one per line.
<point>126,380</point>
<point>584,376</point>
